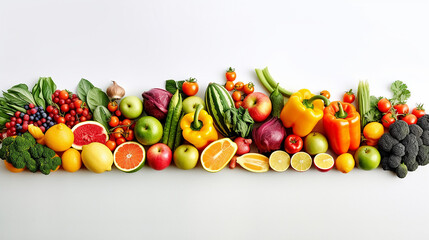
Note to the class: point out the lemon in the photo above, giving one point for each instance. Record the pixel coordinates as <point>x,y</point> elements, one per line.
<point>279,161</point>
<point>97,157</point>
<point>71,161</point>
<point>301,161</point>
<point>345,163</point>
<point>59,137</point>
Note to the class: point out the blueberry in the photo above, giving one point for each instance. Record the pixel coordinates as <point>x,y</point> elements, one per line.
<point>26,107</point>
<point>44,115</point>
<point>49,118</point>
<point>31,118</point>
<point>21,115</point>
<point>45,125</point>
<point>36,119</point>
<point>18,125</point>
<point>51,124</point>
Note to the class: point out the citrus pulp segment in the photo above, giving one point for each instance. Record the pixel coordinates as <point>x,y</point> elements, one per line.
<point>129,157</point>
<point>254,162</point>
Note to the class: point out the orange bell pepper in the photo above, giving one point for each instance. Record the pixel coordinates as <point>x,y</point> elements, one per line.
<point>342,125</point>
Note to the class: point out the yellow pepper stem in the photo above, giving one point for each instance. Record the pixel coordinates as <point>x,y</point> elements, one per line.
<point>197,124</point>
<point>309,102</point>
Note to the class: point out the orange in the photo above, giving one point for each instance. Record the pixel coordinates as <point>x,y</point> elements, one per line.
<point>254,162</point>
<point>218,154</point>
<point>129,157</point>
<point>11,168</point>
<point>59,137</point>
<point>71,161</point>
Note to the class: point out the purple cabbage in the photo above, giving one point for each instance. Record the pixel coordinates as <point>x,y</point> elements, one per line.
<point>269,136</point>
<point>156,102</point>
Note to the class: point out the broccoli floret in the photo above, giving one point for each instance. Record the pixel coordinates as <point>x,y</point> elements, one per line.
<point>383,153</point>
<point>394,161</point>
<point>56,161</point>
<point>423,122</point>
<point>8,141</point>
<point>419,141</point>
<point>29,138</point>
<point>4,152</point>
<point>423,155</point>
<point>36,151</point>
<point>45,166</point>
<point>401,171</point>
<point>386,142</point>
<point>416,130</point>
<point>399,129</point>
<point>31,164</point>
<point>17,159</point>
<point>385,163</point>
<point>48,153</point>
<point>21,144</point>
<point>411,145</point>
<point>425,137</point>
<point>411,162</point>
<point>398,150</point>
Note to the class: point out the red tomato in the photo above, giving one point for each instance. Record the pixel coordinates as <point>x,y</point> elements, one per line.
<point>236,96</point>
<point>230,74</point>
<point>65,108</point>
<point>239,86</point>
<point>349,97</point>
<point>419,111</point>
<point>61,120</point>
<point>117,133</point>
<point>238,104</point>
<point>111,144</point>
<point>388,119</point>
<point>326,94</point>
<point>120,140</point>
<point>77,103</point>
<point>410,119</point>
<point>64,95</point>
<point>293,144</point>
<point>114,121</point>
<point>229,85</point>
<point>190,87</point>
<point>248,88</point>
<point>384,105</point>
<point>129,134</point>
<point>126,122</point>
<point>112,106</point>
<point>401,108</point>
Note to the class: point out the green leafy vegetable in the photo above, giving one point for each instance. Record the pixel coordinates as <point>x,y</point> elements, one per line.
<point>43,90</point>
<point>96,97</point>
<point>373,114</point>
<point>83,88</point>
<point>102,115</point>
<point>400,92</point>
<point>240,120</point>
<point>172,86</point>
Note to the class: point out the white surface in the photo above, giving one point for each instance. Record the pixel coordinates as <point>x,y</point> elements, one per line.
<point>312,44</point>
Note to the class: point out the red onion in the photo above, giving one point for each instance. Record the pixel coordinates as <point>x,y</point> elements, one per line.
<point>269,136</point>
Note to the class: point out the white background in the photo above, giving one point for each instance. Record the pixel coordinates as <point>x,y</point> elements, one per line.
<point>307,44</point>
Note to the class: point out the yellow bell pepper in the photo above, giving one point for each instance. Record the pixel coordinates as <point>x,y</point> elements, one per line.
<point>198,128</point>
<point>303,111</point>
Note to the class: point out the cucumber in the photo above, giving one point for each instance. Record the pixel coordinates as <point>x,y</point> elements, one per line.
<point>171,106</point>
<point>174,122</point>
<point>218,100</point>
<point>178,137</point>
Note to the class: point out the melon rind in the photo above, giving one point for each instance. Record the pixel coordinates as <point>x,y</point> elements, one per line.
<point>78,147</point>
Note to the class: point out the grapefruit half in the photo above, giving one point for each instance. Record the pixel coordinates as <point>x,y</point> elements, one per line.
<point>88,132</point>
<point>129,157</point>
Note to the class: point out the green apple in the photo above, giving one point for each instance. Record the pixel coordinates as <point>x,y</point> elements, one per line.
<point>148,130</point>
<point>131,107</point>
<point>315,143</point>
<point>367,157</point>
<point>186,157</point>
<point>190,104</point>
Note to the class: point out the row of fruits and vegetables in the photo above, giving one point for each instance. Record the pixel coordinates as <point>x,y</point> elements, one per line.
<point>45,128</point>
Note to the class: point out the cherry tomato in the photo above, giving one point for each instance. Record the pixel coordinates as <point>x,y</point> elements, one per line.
<point>111,145</point>
<point>384,105</point>
<point>410,119</point>
<point>77,103</point>
<point>236,95</point>
<point>229,85</point>
<point>230,74</point>
<point>349,96</point>
<point>129,134</point>
<point>401,108</point>
<point>326,94</point>
<point>293,144</point>
<point>419,111</point>
<point>126,122</point>
<point>112,106</point>
<point>190,87</point>
<point>388,119</point>
<point>118,113</point>
<point>117,133</point>
<point>120,140</point>
<point>114,121</point>
<point>238,104</point>
<point>239,86</point>
<point>61,120</point>
<point>64,95</point>
<point>65,108</point>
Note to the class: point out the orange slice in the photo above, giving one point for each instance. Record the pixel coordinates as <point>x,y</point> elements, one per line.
<point>254,162</point>
<point>129,157</point>
<point>301,161</point>
<point>218,154</point>
<point>279,161</point>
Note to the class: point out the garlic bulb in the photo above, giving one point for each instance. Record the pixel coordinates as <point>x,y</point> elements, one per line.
<point>115,92</point>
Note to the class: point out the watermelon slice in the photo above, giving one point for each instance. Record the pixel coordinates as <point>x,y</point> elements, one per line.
<point>129,157</point>
<point>88,132</point>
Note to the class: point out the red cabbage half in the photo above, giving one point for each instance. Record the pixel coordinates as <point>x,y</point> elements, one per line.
<point>156,102</point>
<point>269,136</point>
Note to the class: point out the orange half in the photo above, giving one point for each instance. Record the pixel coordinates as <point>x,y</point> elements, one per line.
<point>218,154</point>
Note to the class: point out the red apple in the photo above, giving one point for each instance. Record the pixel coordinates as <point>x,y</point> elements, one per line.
<point>259,106</point>
<point>159,156</point>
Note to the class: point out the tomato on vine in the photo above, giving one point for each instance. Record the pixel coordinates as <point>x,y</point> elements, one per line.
<point>190,87</point>
<point>349,97</point>
<point>230,74</point>
<point>236,95</point>
<point>384,105</point>
<point>419,111</point>
<point>229,85</point>
<point>238,104</point>
<point>326,94</point>
<point>64,95</point>
<point>410,119</point>
<point>388,119</point>
<point>114,121</point>
<point>401,108</point>
<point>239,86</point>
<point>249,88</point>
<point>112,106</point>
